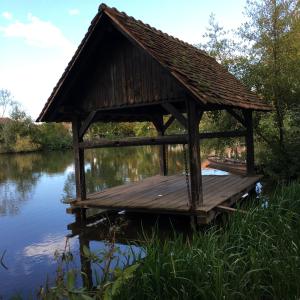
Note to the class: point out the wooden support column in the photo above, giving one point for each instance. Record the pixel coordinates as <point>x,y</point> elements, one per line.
<point>86,265</point>
<point>79,161</point>
<point>249,141</point>
<point>193,120</point>
<point>159,125</point>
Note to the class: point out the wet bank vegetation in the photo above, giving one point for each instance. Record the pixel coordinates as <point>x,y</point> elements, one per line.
<point>251,256</point>
<point>18,133</point>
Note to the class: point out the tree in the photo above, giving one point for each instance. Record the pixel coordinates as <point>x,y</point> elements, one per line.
<point>266,58</point>
<point>218,43</point>
<point>273,30</point>
<point>6,101</point>
<point>273,70</point>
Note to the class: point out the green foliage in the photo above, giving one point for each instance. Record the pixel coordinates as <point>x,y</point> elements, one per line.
<point>111,130</point>
<point>273,70</point>
<point>255,256</point>
<point>21,134</point>
<point>18,134</point>
<point>267,61</point>
<point>108,282</point>
<point>125,129</point>
<point>219,44</point>
<point>54,136</point>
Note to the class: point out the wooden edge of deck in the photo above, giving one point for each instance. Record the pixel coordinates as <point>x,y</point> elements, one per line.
<point>203,217</point>
<point>212,214</point>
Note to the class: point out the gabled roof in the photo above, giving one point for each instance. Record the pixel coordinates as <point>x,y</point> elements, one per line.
<point>201,75</point>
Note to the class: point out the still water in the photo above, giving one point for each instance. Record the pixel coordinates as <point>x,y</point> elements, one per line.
<point>33,218</point>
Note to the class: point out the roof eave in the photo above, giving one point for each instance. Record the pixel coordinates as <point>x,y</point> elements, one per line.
<point>45,110</point>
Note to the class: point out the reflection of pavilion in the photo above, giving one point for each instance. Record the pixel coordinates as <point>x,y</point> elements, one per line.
<point>130,233</point>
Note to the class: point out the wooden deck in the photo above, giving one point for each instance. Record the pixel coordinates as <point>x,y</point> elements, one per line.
<point>168,194</point>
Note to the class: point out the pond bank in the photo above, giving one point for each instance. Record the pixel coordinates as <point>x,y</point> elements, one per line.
<point>252,256</point>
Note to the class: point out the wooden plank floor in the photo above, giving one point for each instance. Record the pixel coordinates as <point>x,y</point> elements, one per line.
<point>169,194</point>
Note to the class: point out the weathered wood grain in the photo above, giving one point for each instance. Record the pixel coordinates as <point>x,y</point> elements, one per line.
<point>168,194</point>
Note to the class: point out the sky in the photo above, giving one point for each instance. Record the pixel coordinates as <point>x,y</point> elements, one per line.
<point>39,37</point>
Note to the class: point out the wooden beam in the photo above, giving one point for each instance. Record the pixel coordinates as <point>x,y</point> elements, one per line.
<point>86,124</point>
<point>159,140</point>
<point>249,142</point>
<point>169,122</point>
<point>79,161</point>
<point>174,112</point>
<point>237,116</point>
<point>223,208</point>
<point>159,125</point>
<point>193,121</point>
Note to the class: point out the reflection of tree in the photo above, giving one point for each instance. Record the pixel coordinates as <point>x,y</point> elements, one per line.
<point>115,166</point>
<point>69,188</point>
<point>10,199</point>
<point>19,174</point>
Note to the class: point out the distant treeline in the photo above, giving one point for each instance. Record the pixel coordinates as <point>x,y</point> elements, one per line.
<point>19,133</point>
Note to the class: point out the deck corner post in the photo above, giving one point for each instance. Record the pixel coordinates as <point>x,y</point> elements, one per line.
<point>193,120</point>
<point>160,128</point>
<point>79,160</point>
<point>249,142</point>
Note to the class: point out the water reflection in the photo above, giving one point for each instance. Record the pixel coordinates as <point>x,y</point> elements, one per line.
<point>110,167</point>
<point>33,218</point>
<point>123,234</point>
<point>20,173</point>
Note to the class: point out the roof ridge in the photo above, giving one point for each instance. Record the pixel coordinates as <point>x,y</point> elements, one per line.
<point>103,7</point>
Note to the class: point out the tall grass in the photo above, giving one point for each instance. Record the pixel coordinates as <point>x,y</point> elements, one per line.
<point>254,256</point>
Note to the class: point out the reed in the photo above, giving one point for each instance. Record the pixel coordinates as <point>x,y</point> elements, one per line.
<point>254,256</point>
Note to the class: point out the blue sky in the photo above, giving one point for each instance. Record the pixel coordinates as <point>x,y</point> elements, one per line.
<point>38,37</point>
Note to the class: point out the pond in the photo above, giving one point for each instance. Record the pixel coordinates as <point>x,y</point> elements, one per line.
<point>33,218</point>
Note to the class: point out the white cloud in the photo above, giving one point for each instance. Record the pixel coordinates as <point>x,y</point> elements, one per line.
<point>74,12</point>
<point>7,15</point>
<point>48,246</point>
<point>31,73</point>
<point>38,33</point>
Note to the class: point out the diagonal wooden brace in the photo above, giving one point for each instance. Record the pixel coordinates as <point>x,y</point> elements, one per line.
<point>174,112</point>
<point>86,124</point>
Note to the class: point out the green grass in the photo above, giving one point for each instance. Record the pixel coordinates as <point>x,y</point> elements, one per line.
<point>254,256</point>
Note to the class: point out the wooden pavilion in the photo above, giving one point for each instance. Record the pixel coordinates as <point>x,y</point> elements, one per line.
<point>126,71</point>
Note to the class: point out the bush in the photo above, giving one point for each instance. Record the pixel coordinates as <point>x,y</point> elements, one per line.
<point>54,136</point>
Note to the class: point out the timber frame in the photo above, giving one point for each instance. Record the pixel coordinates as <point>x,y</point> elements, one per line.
<point>125,70</point>
<point>192,138</point>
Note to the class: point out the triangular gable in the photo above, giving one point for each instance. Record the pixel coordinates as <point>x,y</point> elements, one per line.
<point>192,69</point>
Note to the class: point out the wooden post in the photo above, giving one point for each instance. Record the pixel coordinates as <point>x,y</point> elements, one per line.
<point>159,125</point>
<point>86,268</point>
<point>79,161</point>
<point>249,142</point>
<point>193,121</point>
